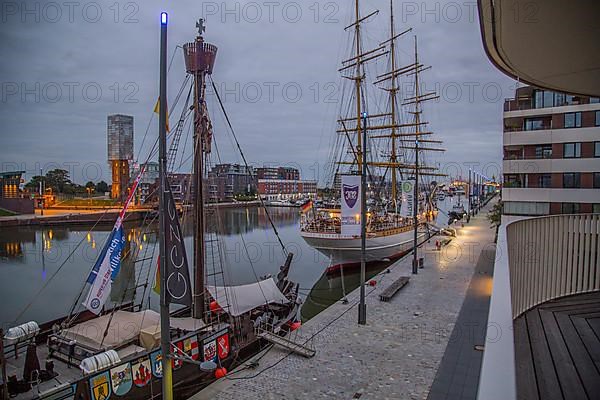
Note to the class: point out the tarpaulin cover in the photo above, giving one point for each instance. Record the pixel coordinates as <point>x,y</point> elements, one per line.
<point>237,300</point>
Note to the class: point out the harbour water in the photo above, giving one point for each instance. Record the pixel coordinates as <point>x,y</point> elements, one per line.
<point>43,269</point>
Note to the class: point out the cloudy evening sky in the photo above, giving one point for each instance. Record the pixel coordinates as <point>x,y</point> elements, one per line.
<point>66,65</point>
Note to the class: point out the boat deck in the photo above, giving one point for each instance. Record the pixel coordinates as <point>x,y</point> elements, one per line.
<point>65,372</point>
<point>557,349</point>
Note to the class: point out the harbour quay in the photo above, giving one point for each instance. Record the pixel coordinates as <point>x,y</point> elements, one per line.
<point>417,345</point>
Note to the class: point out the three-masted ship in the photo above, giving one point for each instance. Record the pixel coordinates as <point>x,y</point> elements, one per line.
<point>96,353</point>
<point>386,136</point>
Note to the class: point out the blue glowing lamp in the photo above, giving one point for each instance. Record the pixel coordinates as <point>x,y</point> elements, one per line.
<point>163,18</point>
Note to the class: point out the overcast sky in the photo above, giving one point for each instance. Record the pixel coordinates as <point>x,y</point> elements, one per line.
<point>66,65</point>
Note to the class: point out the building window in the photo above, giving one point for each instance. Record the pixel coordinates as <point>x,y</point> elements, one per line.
<point>573,120</point>
<point>572,150</point>
<point>545,181</point>
<point>570,208</point>
<point>513,181</point>
<point>598,118</point>
<point>596,149</point>
<point>594,100</point>
<point>596,208</point>
<point>571,180</point>
<point>533,124</point>
<point>544,151</point>
<point>526,208</point>
<point>597,180</point>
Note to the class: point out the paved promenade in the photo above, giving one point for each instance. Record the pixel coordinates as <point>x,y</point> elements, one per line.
<point>397,354</point>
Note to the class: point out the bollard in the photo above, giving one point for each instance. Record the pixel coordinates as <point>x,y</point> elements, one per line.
<point>421,262</point>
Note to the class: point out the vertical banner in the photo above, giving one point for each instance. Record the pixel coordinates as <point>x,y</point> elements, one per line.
<point>176,265</point>
<point>407,193</point>
<point>108,264</point>
<point>350,198</point>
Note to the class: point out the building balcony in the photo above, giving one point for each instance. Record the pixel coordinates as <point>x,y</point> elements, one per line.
<point>550,165</point>
<point>550,195</point>
<point>546,288</point>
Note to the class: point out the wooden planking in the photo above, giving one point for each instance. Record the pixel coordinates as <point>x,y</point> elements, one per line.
<point>563,363</point>
<point>589,339</point>
<point>584,365</point>
<point>544,366</point>
<point>525,370</point>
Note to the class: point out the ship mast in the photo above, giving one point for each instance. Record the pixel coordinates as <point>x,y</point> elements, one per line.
<point>357,82</point>
<point>199,60</point>
<point>393,90</point>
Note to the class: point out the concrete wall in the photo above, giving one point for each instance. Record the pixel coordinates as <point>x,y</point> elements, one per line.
<point>18,205</point>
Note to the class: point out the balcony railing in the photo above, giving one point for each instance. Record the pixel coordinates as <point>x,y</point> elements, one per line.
<point>552,257</point>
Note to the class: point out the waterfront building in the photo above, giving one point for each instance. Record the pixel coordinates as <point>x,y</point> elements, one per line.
<point>225,181</point>
<point>551,153</point>
<point>546,287</point>
<point>148,181</point>
<point>11,196</point>
<point>286,189</point>
<point>120,152</point>
<point>285,173</point>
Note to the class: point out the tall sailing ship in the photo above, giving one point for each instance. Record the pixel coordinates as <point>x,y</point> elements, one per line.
<point>386,137</point>
<point>98,352</point>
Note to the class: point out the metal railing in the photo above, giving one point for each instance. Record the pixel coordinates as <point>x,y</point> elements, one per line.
<point>551,257</point>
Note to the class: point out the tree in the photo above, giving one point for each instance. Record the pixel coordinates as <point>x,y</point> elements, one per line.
<point>495,215</point>
<point>58,180</point>
<point>34,184</point>
<point>90,185</point>
<point>102,187</point>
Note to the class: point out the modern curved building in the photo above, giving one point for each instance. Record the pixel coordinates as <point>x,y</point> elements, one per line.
<point>543,332</point>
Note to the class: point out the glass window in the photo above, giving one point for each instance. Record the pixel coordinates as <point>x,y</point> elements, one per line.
<point>570,208</point>
<point>538,99</point>
<point>571,180</point>
<point>544,151</point>
<point>559,99</point>
<point>597,118</point>
<point>526,208</point>
<point>573,120</point>
<point>594,100</point>
<point>571,100</point>
<point>597,180</point>
<point>548,98</point>
<point>596,208</point>
<point>545,181</point>
<point>596,149</point>
<point>532,124</point>
<point>572,150</point>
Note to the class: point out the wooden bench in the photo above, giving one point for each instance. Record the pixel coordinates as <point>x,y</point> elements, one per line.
<point>391,290</point>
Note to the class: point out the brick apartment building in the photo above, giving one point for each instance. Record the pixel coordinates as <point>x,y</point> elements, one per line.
<point>551,153</point>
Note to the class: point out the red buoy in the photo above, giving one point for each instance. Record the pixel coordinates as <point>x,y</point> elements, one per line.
<point>220,372</point>
<point>295,325</point>
<point>214,306</point>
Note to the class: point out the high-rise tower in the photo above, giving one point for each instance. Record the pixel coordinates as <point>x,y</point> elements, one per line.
<point>120,151</point>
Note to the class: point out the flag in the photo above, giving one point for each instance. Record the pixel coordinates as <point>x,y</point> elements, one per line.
<point>306,206</point>
<point>108,264</point>
<point>157,111</point>
<point>175,264</point>
<point>156,284</point>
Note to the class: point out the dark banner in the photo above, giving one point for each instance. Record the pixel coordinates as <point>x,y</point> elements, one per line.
<point>179,285</point>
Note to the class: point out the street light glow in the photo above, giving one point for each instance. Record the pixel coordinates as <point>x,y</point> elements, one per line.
<point>163,18</point>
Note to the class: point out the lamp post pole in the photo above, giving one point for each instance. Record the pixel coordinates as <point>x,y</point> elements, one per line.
<point>165,326</point>
<point>362,308</point>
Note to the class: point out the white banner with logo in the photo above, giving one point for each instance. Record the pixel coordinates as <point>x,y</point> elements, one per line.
<point>350,198</point>
<point>407,191</point>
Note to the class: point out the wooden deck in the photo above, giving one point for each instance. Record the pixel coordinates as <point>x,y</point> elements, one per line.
<point>557,349</point>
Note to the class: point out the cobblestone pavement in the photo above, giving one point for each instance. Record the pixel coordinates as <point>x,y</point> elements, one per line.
<point>395,356</point>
